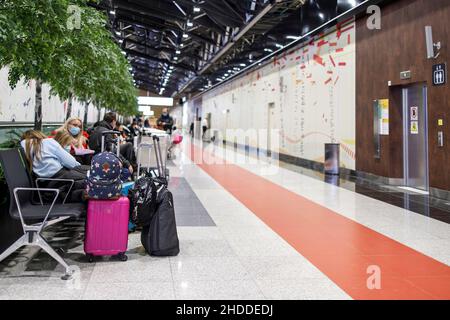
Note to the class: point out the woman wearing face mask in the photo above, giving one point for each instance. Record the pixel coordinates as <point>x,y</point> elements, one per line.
<point>75,127</point>
<point>78,146</point>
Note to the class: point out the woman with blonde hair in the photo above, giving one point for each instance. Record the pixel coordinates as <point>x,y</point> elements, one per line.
<point>74,126</point>
<point>65,139</point>
<point>48,159</point>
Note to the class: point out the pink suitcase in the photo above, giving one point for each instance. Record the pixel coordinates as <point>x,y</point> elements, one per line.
<point>107,228</point>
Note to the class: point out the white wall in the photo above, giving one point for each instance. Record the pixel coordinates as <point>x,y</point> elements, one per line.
<point>18,104</point>
<point>313,89</point>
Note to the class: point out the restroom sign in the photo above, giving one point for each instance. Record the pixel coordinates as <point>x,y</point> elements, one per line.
<point>440,74</point>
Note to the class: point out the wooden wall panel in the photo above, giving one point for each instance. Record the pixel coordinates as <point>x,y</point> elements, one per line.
<point>380,57</point>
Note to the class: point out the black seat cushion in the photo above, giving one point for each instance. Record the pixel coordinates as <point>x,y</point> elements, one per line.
<point>37,211</point>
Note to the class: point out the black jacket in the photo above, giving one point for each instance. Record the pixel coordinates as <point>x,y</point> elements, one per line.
<point>166,122</point>
<point>95,140</point>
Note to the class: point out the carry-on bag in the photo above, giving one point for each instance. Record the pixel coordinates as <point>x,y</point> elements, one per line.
<point>143,201</point>
<point>106,174</point>
<point>107,228</point>
<point>160,238</point>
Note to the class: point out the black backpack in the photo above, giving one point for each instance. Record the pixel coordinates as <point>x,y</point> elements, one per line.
<point>160,238</point>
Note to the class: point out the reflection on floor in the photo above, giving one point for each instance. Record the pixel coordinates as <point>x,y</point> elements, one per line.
<point>426,205</point>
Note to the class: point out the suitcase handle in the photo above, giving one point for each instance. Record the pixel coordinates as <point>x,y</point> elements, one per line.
<point>159,160</point>
<point>110,132</point>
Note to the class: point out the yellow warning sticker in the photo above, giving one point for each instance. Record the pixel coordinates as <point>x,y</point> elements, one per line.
<point>414,127</point>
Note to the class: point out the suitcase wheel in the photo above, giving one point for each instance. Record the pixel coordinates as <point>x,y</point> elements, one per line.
<point>90,258</point>
<point>122,256</point>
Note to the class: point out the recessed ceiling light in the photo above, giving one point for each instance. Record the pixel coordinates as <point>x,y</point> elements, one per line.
<point>196,9</point>
<point>178,52</point>
<point>185,35</point>
<point>189,24</point>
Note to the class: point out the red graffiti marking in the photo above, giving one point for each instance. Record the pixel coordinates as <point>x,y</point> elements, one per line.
<point>322,43</point>
<point>319,60</point>
<point>328,81</point>
<point>332,61</point>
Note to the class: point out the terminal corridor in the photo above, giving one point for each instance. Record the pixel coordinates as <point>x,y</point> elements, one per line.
<point>196,157</point>
<point>251,233</point>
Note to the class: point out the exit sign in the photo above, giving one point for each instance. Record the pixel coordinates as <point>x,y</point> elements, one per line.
<point>440,74</point>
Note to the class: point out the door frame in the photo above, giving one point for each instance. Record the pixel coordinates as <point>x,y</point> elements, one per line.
<point>406,132</point>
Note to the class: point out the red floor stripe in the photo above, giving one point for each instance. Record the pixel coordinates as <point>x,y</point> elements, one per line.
<point>341,248</point>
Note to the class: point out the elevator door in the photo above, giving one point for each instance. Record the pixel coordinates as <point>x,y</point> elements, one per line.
<point>415,137</point>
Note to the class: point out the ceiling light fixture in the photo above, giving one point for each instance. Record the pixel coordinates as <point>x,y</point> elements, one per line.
<point>196,9</point>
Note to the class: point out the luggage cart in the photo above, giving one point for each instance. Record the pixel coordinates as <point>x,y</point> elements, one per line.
<point>147,156</point>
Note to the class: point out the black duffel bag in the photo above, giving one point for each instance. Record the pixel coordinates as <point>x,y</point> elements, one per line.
<point>160,238</point>
<point>143,201</point>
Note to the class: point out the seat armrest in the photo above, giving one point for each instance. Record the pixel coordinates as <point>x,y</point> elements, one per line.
<point>71,181</point>
<point>16,198</point>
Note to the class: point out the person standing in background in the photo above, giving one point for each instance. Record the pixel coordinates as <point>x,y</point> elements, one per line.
<point>191,129</point>
<point>205,126</point>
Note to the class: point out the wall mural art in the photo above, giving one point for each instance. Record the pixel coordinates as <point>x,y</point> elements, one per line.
<point>313,90</point>
<point>18,104</point>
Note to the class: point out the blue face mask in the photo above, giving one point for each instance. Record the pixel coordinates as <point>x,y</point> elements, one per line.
<point>74,131</point>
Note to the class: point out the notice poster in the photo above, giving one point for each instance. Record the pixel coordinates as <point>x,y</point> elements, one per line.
<point>383,109</point>
<point>414,127</point>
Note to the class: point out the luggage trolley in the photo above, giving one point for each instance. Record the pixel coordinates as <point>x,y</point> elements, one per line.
<point>146,159</point>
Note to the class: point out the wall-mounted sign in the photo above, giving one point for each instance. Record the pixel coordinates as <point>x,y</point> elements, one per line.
<point>414,127</point>
<point>440,122</point>
<point>383,116</point>
<point>414,113</point>
<point>405,75</point>
<point>440,74</point>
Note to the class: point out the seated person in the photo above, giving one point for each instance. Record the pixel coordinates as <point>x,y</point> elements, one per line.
<point>95,141</point>
<point>74,127</point>
<point>47,159</point>
<point>165,121</point>
<point>134,128</point>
